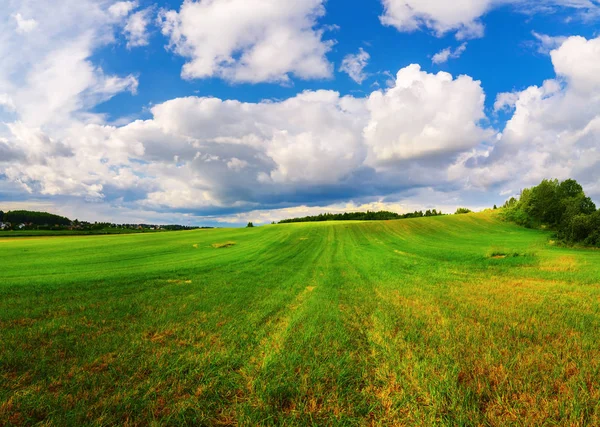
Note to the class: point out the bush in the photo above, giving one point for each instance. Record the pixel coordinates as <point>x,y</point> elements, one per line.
<point>518,216</point>
<point>250,225</point>
<point>461,211</point>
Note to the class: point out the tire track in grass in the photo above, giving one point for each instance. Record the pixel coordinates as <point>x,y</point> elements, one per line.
<point>306,378</point>
<point>280,322</point>
<point>390,351</point>
<point>381,389</point>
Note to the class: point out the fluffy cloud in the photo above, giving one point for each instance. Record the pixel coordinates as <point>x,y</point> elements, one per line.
<point>207,155</point>
<point>50,142</point>
<point>424,115</point>
<point>7,103</point>
<point>554,130</point>
<point>249,40</point>
<point>463,16</point>
<point>46,74</point>
<point>136,29</point>
<point>316,146</point>
<point>446,54</point>
<point>354,65</point>
<point>24,25</point>
<point>578,61</point>
<point>121,9</point>
<point>440,16</point>
<point>547,43</point>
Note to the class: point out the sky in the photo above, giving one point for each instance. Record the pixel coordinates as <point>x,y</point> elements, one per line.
<point>220,112</point>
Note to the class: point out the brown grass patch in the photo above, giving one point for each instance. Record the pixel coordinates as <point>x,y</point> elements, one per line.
<point>101,364</point>
<point>160,336</point>
<point>562,264</point>
<point>223,245</point>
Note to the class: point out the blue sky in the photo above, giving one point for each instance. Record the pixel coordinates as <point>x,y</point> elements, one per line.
<point>505,59</point>
<point>223,111</point>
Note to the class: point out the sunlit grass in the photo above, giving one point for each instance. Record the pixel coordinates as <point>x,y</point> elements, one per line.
<point>460,320</point>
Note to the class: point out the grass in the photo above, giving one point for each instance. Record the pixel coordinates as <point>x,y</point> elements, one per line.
<point>429,321</point>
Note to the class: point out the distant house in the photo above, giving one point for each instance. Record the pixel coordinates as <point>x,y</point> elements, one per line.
<point>4,225</point>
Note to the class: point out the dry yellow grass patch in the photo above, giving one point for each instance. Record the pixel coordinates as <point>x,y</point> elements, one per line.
<point>404,253</point>
<point>223,245</point>
<point>563,263</point>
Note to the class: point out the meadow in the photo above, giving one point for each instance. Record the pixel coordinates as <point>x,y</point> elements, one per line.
<point>459,320</point>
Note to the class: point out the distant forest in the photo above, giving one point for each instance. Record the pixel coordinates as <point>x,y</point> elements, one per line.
<point>35,218</point>
<point>561,206</point>
<point>362,216</point>
<point>30,220</point>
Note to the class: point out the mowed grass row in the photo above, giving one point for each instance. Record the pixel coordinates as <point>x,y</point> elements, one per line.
<point>460,320</point>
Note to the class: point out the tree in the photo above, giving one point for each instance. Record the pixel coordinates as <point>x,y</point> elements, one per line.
<point>250,225</point>
<point>562,206</point>
<point>35,218</point>
<point>460,211</point>
<point>569,188</point>
<point>495,207</point>
<point>1,216</point>
<point>545,202</point>
<point>510,203</point>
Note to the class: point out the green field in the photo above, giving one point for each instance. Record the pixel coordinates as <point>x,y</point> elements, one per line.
<point>456,320</point>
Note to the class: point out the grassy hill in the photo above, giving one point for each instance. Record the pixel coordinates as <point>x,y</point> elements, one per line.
<point>457,320</point>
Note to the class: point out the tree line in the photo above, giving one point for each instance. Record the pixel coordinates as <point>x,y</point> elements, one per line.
<point>562,206</point>
<point>362,216</point>
<point>31,220</point>
<point>35,218</point>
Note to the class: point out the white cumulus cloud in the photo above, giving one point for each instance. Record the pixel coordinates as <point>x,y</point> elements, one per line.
<point>24,25</point>
<point>425,115</point>
<point>463,17</point>
<point>249,40</point>
<point>547,43</point>
<point>446,54</point>
<point>136,28</point>
<point>207,154</point>
<point>554,130</point>
<point>354,65</point>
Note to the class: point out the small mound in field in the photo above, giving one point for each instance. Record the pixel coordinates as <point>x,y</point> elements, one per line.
<point>223,245</point>
<point>502,255</point>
